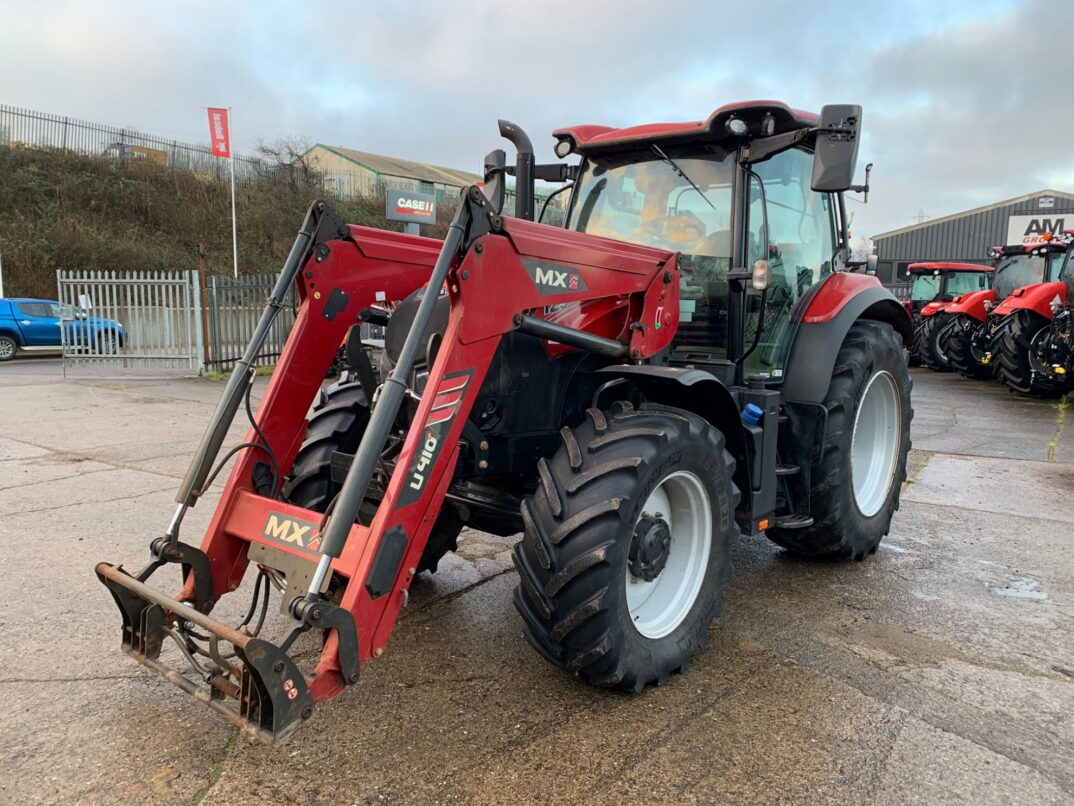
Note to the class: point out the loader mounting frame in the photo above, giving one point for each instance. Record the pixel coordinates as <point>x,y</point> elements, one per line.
<point>359,576</point>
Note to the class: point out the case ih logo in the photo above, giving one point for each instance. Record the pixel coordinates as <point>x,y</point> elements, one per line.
<point>292,532</point>
<point>420,207</point>
<point>446,403</point>
<point>552,278</point>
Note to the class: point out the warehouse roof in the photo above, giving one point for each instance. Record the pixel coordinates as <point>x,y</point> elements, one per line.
<point>955,216</point>
<point>406,169</point>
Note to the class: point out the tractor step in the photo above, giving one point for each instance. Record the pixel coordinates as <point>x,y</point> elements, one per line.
<point>787,470</point>
<point>793,522</point>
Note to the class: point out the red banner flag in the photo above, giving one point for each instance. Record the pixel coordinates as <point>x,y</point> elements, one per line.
<point>218,132</point>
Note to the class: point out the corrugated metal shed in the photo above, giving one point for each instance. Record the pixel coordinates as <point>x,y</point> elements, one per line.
<point>966,236</point>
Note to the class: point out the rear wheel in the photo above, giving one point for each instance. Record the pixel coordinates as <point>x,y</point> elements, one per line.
<point>8,348</point>
<point>961,345</point>
<point>107,343</point>
<point>855,478</point>
<point>1015,358</point>
<point>927,342</point>
<point>338,421</point>
<point>627,542</point>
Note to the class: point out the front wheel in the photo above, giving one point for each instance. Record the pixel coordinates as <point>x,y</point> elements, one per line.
<point>927,342</point>
<point>857,473</point>
<point>8,348</point>
<point>1014,347</point>
<point>962,344</point>
<point>627,543</point>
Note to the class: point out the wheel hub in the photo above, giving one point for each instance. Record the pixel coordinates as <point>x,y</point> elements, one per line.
<point>649,547</point>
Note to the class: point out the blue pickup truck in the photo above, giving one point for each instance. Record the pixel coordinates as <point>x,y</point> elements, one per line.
<point>35,324</point>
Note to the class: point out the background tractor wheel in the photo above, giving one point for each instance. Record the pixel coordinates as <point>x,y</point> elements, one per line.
<point>957,345</point>
<point>627,543</point>
<point>339,419</point>
<point>1015,363</point>
<point>856,480</point>
<point>927,342</point>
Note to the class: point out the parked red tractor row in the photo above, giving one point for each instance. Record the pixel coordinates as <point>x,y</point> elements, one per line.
<point>935,286</point>
<point>980,328</point>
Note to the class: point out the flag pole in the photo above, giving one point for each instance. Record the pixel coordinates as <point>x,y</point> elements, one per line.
<point>234,222</point>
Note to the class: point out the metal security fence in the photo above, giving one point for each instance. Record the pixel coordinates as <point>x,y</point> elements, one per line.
<point>234,306</point>
<point>29,129</point>
<point>136,320</point>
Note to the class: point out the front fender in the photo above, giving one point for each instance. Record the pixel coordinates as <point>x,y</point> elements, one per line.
<point>972,304</point>
<point>825,317</point>
<point>1037,298</point>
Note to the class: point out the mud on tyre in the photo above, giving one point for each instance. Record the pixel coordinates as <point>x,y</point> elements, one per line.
<point>633,500</point>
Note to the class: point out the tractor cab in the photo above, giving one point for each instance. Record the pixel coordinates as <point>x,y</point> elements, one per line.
<point>942,282</point>
<point>749,203</point>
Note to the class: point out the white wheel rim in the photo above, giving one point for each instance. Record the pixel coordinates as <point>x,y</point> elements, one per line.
<point>657,607</point>
<point>875,443</point>
<point>7,349</point>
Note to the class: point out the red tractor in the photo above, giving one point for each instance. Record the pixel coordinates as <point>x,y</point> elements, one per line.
<point>690,358</point>
<point>935,287</point>
<point>966,339</point>
<point>1023,348</point>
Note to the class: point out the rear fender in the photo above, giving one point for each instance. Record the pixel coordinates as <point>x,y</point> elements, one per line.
<point>1037,298</point>
<point>972,304</point>
<point>692,390</point>
<point>825,319</point>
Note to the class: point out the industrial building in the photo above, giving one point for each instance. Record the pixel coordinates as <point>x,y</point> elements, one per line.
<point>967,236</point>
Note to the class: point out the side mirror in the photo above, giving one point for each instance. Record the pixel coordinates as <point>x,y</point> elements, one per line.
<point>871,264</point>
<point>836,153</point>
<point>495,188</point>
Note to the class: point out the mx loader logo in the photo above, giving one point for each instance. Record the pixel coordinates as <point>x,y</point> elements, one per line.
<point>552,278</point>
<point>292,532</point>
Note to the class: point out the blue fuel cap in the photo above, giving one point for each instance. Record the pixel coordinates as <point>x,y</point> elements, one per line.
<point>752,414</point>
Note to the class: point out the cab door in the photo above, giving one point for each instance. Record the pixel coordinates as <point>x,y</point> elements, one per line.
<point>799,227</point>
<point>39,326</point>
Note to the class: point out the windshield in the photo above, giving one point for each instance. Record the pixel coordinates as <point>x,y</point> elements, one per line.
<point>925,287</point>
<point>644,198</point>
<point>1016,271</point>
<point>965,282</point>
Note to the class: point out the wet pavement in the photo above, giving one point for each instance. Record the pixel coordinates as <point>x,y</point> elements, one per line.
<point>939,670</point>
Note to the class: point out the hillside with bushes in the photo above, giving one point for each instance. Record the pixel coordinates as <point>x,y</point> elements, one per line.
<point>65,211</point>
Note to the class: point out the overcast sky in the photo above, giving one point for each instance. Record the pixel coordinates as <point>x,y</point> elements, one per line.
<point>965,103</point>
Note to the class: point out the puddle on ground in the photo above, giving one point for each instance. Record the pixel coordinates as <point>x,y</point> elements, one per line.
<point>1021,589</point>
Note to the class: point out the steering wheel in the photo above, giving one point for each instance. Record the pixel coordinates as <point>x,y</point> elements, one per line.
<point>680,233</point>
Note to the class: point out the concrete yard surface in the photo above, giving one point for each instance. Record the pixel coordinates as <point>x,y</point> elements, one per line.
<point>939,670</point>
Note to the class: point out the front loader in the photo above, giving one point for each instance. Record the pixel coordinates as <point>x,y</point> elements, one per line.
<point>690,358</point>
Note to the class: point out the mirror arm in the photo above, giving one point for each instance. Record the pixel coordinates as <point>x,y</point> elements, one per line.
<point>863,189</point>
<point>764,147</point>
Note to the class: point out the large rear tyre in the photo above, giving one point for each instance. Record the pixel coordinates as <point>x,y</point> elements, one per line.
<point>962,353</point>
<point>339,419</point>
<point>1015,360</point>
<point>627,544</point>
<point>857,475</point>
<point>927,342</point>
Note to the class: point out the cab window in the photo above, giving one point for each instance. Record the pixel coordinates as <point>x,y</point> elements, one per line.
<point>802,244</point>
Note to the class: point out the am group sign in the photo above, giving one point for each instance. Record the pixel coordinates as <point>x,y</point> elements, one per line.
<point>411,207</point>
<point>1030,229</point>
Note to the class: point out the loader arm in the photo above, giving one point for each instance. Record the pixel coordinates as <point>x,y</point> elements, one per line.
<point>502,275</point>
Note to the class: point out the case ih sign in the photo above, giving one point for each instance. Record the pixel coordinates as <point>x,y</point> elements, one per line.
<point>411,208</point>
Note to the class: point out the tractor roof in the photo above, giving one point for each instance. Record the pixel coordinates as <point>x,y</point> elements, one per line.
<point>588,138</point>
<point>921,268</point>
<point>1059,242</point>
